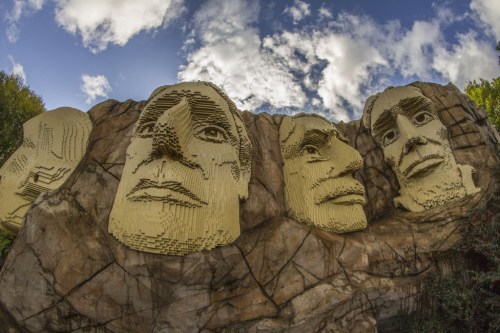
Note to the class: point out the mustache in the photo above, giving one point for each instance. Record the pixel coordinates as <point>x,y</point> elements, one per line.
<point>409,169</point>
<point>169,185</point>
<point>418,140</point>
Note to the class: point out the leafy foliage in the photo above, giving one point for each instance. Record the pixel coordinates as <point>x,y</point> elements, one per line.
<point>470,302</point>
<point>17,104</point>
<point>487,95</point>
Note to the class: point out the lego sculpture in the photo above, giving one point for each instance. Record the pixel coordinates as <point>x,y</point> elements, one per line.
<point>320,188</point>
<point>54,142</point>
<point>415,144</point>
<point>187,168</point>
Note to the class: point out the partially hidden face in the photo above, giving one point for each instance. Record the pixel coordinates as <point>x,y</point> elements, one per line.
<point>319,167</point>
<point>415,144</point>
<point>187,167</point>
<point>53,144</point>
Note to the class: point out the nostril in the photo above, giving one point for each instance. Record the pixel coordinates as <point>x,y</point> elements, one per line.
<point>413,142</point>
<point>35,177</point>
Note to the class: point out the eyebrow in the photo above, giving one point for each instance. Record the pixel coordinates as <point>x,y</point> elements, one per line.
<point>154,111</point>
<point>203,111</point>
<point>206,111</point>
<point>316,137</point>
<point>407,106</point>
<point>313,136</point>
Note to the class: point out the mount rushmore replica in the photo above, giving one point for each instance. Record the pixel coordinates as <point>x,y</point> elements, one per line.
<point>184,214</point>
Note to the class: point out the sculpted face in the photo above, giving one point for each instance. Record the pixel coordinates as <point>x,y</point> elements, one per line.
<point>415,144</point>
<point>320,188</point>
<point>187,167</point>
<point>53,144</point>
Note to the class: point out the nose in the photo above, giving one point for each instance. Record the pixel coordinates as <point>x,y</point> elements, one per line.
<point>409,134</point>
<point>170,130</point>
<point>347,159</point>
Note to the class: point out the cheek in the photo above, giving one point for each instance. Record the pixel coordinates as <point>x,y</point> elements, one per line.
<point>216,160</point>
<point>211,153</point>
<point>436,130</point>
<point>391,152</point>
<point>138,150</point>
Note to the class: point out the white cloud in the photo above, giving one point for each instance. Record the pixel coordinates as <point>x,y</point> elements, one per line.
<point>489,13</point>
<point>324,13</point>
<point>104,22</point>
<point>330,67</point>
<point>298,11</point>
<point>468,60</point>
<point>94,86</point>
<point>20,8</point>
<point>17,69</point>
<point>339,66</point>
<point>413,50</point>
<point>232,57</point>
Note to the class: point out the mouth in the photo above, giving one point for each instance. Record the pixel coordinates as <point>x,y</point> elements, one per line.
<point>166,192</point>
<point>345,197</point>
<point>422,165</point>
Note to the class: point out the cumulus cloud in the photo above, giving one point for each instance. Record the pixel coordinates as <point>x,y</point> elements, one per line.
<point>231,56</point>
<point>331,67</point>
<point>17,69</point>
<point>489,13</point>
<point>298,11</point>
<point>324,13</point>
<point>20,8</point>
<point>94,87</point>
<point>470,59</point>
<point>338,66</point>
<point>104,22</point>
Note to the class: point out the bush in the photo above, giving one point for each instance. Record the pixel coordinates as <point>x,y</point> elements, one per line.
<point>17,105</point>
<point>470,302</point>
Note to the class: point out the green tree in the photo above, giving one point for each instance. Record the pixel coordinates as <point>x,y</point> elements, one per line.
<point>487,95</point>
<point>17,104</point>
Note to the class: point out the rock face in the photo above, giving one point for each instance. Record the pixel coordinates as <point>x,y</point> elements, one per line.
<point>66,273</point>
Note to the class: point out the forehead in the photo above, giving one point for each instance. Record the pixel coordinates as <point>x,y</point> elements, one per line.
<point>204,100</point>
<point>305,125</point>
<point>391,98</point>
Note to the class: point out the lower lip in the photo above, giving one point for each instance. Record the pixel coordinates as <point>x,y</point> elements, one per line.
<point>423,166</point>
<point>164,195</point>
<point>348,199</point>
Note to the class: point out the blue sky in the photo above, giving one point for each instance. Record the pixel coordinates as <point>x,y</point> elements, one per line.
<point>275,56</point>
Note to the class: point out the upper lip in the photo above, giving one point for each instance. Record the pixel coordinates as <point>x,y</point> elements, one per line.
<point>341,193</point>
<point>409,170</point>
<point>338,189</point>
<point>186,196</point>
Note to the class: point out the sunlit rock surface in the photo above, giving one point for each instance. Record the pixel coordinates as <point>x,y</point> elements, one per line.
<point>66,273</point>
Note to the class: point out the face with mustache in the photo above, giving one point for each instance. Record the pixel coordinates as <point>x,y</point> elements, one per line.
<point>320,188</point>
<point>415,144</point>
<point>187,168</point>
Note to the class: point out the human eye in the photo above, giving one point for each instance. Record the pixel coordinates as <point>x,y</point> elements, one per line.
<point>389,137</point>
<point>310,151</point>
<point>422,118</point>
<point>146,129</point>
<point>212,134</point>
